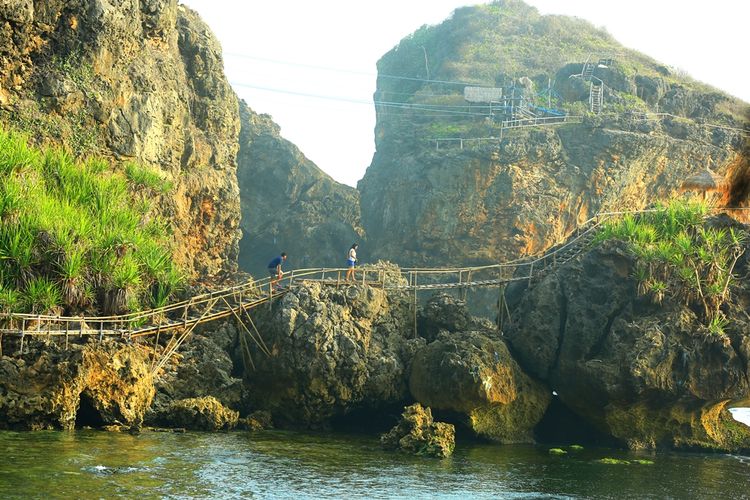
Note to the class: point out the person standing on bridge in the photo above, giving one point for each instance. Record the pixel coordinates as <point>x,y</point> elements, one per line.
<point>351,260</point>
<point>274,270</point>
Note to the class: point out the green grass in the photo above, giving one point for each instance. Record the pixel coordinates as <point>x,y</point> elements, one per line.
<point>72,231</point>
<point>679,258</point>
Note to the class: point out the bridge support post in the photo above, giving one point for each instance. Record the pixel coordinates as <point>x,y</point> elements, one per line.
<point>23,329</point>
<point>415,304</point>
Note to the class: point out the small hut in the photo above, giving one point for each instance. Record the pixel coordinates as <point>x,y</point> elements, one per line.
<point>704,182</point>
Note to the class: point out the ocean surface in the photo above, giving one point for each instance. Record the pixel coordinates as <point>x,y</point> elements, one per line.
<point>280,464</point>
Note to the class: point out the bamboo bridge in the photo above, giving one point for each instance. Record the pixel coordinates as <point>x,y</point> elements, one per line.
<point>179,320</point>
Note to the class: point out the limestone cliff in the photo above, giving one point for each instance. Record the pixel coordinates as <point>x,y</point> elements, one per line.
<point>649,374</point>
<point>434,194</point>
<point>288,203</point>
<point>136,80</point>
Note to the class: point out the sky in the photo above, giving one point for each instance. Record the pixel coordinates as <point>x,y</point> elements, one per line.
<point>311,65</point>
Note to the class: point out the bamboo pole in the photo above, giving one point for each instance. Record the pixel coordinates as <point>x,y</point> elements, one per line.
<point>415,304</point>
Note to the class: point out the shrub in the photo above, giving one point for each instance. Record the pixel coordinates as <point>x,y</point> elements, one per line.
<point>678,257</point>
<point>72,231</point>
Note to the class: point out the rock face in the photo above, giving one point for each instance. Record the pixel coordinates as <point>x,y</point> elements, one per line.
<point>332,352</point>
<point>289,204</point>
<point>203,414</point>
<point>134,80</point>
<point>90,385</point>
<point>202,368</point>
<point>416,433</point>
<point>649,375</point>
<point>427,203</point>
<point>474,375</point>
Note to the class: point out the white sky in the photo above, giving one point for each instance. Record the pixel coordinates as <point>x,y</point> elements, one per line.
<point>274,51</point>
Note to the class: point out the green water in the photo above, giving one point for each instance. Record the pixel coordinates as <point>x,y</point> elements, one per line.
<point>91,464</point>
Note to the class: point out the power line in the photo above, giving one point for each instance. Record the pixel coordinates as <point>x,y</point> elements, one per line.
<point>386,104</point>
<point>340,70</point>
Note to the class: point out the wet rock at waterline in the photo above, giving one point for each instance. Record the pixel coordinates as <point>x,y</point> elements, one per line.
<point>203,367</point>
<point>417,433</point>
<point>474,375</point>
<point>92,385</point>
<point>257,421</point>
<point>204,414</point>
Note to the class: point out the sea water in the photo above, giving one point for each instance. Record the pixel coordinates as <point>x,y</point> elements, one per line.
<point>281,464</point>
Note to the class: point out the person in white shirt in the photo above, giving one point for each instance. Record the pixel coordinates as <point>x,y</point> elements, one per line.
<point>351,260</point>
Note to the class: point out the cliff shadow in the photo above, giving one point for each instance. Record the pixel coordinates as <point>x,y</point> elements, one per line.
<point>560,425</point>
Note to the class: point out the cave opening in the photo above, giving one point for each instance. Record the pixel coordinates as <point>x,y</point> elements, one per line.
<point>560,425</point>
<point>87,414</point>
<point>368,420</point>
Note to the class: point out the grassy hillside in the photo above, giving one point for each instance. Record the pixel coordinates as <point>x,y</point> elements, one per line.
<point>509,45</point>
<point>77,237</point>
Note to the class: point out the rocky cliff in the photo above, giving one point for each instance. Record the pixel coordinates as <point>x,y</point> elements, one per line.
<point>288,203</point>
<point>436,194</point>
<point>137,80</point>
<point>650,373</point>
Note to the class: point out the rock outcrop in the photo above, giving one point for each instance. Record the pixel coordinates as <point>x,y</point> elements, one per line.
<point>473,375</point>
<point>288,203</point>
<point>133,80</point>
<point>418,434</point>
<point>202,414</point>
<point>332,351</point>
<point>203,367</point>
<point>90,385</point>
<point>520,191</point>
<point>651,375</point>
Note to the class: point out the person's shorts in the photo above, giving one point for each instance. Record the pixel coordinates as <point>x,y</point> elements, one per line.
<point>350,262</point>
<point>272,272</point>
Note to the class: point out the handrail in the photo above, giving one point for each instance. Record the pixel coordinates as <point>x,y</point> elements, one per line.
<point>259,285</point>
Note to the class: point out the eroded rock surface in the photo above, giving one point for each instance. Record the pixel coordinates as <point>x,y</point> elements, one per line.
<point>649,375</point>
<point>204,414</point>
<point>132,80</point>
<point>332,351</point>
<point>203,367</point>
<point>474,375</point>
<point>418,434</point>
<point>91,385</point>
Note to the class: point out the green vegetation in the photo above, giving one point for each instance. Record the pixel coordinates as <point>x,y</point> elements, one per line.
<point>74,236</point>
<point>613,461</point>
<point>619,461</point>
<point>680,258</point>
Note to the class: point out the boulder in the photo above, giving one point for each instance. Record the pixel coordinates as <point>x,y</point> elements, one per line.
<point>418,434</point>
<point>474,375</point>
<point>257,421</point>
<point>204,367</point>
<point>204,414</point>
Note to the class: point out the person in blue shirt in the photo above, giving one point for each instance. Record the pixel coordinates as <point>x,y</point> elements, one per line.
<point>274,269</point>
